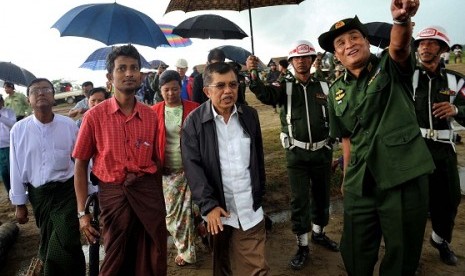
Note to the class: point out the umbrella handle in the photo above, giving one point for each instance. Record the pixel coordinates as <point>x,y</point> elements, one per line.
<point>251,28</point>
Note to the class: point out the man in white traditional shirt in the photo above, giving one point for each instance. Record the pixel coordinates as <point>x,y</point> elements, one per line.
<point>7,120</point>
<point>222,153</point>
<point>42,172</point>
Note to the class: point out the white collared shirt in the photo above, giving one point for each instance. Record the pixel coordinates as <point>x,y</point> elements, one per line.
<point>234,151</point>
<point>40,153</point>
<point>7,120</point>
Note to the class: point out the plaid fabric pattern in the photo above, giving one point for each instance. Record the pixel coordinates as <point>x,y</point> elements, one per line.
<point>235,5</point>
<point>118,144</point>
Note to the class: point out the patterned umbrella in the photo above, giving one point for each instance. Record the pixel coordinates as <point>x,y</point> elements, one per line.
<point>174,40</point>
<point>235,5</point>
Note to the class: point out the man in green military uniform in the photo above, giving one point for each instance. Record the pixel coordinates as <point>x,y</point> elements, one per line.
<point>439,98</point>
<point>16,101</point>
<point>385,158</point>
<point>304,135</point>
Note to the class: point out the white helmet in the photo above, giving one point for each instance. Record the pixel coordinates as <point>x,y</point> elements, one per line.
<point>301,48</point>
<point>433,32</point>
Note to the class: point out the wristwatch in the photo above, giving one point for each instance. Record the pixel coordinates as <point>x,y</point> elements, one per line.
<point>81,214</point>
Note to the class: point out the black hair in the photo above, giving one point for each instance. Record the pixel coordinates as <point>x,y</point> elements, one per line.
<point>125,50</point>
<point>87,83</point>
<point>218,67</point>
<point>169,75</point>
<point>216,54</point>
<point>9,84</point>
<point>284,63</point>
<point>39,80</point>
<point>99,90</point>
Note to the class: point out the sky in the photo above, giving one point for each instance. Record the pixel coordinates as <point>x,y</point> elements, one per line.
<point>29,41</point>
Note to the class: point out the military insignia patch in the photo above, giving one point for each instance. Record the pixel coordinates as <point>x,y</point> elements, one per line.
<point>339,24</point>
<point>447,92</point>
<point>339,95</point>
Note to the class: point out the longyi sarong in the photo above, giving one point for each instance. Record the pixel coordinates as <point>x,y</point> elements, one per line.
<point>179,214</point>
<point>55,210</point>
<point>134,229</point>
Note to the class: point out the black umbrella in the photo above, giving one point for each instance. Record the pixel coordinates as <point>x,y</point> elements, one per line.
<point>15,74</point>
<point>92,207</point>
<point>154,64</point>
<point>456,46</point>
<point>379,33</point>
<point>209,26</point>
<point>237,54</point>
<point>235,5</point>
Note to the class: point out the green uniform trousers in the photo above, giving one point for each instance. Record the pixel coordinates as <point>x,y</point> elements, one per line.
<point>309,176</point>
<point>444,189</point>
<point>397,214</point>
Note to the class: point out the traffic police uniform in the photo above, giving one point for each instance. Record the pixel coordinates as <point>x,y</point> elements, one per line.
<point>444,182</point>
<point>385,184</point>
<point>308,153</point>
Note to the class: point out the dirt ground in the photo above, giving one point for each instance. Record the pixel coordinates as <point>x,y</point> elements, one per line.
<point>281,243</point>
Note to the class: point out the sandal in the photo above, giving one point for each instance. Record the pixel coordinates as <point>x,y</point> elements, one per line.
<point>180,261</point>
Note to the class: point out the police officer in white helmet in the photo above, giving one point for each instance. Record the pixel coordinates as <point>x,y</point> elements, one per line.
<point>304,136</point>
<point>439,96</point>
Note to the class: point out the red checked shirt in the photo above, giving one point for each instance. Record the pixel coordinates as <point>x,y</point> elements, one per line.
<point>118,144</point>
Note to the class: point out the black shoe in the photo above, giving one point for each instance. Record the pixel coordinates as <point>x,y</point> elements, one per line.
<point>447,256</point>
<point>300,258</point>
<point>323,240</point>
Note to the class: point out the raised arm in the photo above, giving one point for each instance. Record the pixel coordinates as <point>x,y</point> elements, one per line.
<point>401,33</point>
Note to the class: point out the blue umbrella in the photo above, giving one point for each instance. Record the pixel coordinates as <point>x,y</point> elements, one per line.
<point>97,60</point>
<point>15,74</point>
<point>111,24</point>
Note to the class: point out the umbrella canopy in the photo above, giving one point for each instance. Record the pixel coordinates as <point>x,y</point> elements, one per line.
<point>174,40</point>
<point>15,74</point>
<point>209,26</point>
<point>237,54</point>
<point>97,60</point>
<point>456,46</point>
<point>111,24</point>
<point>379,33</point>
<point>154,64</point>
<point>235,5</point>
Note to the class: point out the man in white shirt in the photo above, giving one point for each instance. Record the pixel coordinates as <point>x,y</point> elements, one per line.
<point>222,152</point>
<point>7,120</point>
<point>42,172</point>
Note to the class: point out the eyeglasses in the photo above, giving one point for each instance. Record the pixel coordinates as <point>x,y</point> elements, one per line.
<point>44,90</point>
<point>222,85</point>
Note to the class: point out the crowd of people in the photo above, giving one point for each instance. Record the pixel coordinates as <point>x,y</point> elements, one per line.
<point>172,154</point>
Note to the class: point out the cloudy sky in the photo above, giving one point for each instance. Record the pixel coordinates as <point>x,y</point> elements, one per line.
<point>28,40</point>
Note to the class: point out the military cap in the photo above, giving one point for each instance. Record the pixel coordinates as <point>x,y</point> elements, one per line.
<point>326,40</point>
